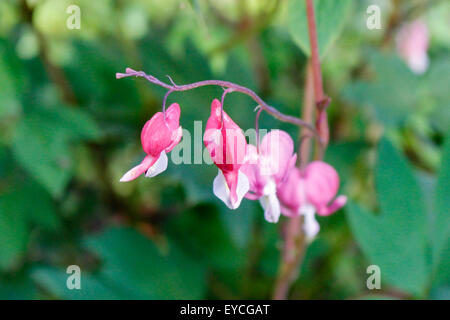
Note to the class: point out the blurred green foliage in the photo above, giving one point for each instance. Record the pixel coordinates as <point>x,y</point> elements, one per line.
<point>70,130</point>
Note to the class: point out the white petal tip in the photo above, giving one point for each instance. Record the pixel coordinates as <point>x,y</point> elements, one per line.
<point>159,166</point>
<point>221,190</point>
<point>271,206</point>
<point>129,175</point>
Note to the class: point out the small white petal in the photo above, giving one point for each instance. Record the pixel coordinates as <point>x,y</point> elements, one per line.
<point>270,202</point>
<point>310,224</point>
<point>271,207</point>
<point>243,185</point>
<point>221,190</point>
<point>159,166</point>
<point>419,63</point>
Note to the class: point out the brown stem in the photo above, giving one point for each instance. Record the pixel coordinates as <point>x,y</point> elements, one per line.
<point>322,100</point>
<point>307,116</point>
<point>225,84</point>
<point>294,246</point>
<point>55,73</point>
<point>291,257</point>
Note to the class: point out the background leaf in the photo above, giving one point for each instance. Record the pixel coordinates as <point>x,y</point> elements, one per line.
<point>441,225</point>
<point>13,232</point>
<point>393,93</point>
<point>395,239</point>
<point>145,272</point>
<point>41,144</point>
<point>330,18</point>
<point>93,287</point>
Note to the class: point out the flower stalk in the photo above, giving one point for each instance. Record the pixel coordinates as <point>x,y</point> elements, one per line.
<point>225,84</point>
<point>294,244</point>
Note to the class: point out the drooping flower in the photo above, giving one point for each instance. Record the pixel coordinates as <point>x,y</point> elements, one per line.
<point>226,145</point>
<point>311,190</point>
<point>158,137</point>
<point>267,170</point>
<point>412,45</point>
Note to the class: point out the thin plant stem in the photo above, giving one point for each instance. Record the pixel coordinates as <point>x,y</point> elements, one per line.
<point>294,244</point>
<point>258,114</point>
<point>322,100</point>
<point>307,116</point>
<point>225,84</point>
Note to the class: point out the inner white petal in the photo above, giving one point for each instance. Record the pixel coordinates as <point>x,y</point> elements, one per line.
<point>243,185</point>
<point>270,187</point>
<point>310,225</point>
<point>221,190</point>
<point>159,166</point>
<point>271,207</point>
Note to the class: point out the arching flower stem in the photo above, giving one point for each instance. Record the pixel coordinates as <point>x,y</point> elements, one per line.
<point>225,84</point>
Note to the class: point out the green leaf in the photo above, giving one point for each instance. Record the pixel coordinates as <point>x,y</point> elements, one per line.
<point>393,173</point>
<point>441,225</point>
<point>12,81</point>
<point>395,240</point>
<point>330,18</point>
<point>392,95</point>
<point>75,123</point>
<point>135,265</point>
<point>343,156</point>
<point>41,144</point>
<point>38,208</point>
<point>212,242</point>
<point>22,206</point>
<point>93,287</point>
<point>437,81</point>
<point>13,232</point>
<point>18,287</point>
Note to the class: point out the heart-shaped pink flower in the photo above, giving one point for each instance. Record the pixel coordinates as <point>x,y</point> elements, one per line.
<point>310,190</point>
<point>158,137</point>
<point>267,170</point>
<point>226,145</point>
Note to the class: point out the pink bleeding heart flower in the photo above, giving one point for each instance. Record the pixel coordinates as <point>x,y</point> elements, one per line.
<point>412,45</point>
<point>311,190</point>
<point>158,137</point>
<point>226,145</point>
<point>267,170</point>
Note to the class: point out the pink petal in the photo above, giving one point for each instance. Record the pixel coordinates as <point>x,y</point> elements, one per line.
<point>292,192</point>
<point>251,169</point>
<point>139,169</point>
<point>412,45</point>
<point>338,203</point>
<point>321,183</point>
<point>277,150</point>
<point>288,211</point>
<point>176,137</point>
<point>252,196</point>
<point>157,134</point>
<point>173,116</point>
<point>226,144</point>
